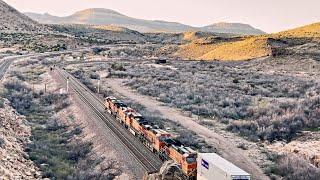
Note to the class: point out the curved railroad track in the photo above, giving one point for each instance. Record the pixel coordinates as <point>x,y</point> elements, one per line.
<point>149,161</point>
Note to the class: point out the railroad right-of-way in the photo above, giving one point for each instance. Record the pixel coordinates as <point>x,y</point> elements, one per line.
<point>149,161</point>
<point>4,65</point>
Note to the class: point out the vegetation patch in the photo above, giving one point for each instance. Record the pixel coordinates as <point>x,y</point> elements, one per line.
<point>292,167</point>
<point>255,103</point>
<point>55,148</point>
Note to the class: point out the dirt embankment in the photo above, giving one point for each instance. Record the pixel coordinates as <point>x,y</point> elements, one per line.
<point>14,134</point>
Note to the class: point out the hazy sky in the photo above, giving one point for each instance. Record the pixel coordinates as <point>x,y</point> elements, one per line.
<point>268,15</point>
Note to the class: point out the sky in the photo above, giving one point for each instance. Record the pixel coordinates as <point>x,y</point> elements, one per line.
<point>267,15</point>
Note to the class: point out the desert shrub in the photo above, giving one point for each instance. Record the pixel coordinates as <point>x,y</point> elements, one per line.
<point>1,102</point>
<point>218,89</point>
<point>280,122</point>
<point>18,75</point>
<point>118,67</point>
<point>2,143</point>
<point>295,168</point>
<point>20,96</point>
<point>242,146</point>
<point>84,78</point>
<point>245,128</point>
<point>229,91</point>
<point>94,76</point>
<point>60,101</point>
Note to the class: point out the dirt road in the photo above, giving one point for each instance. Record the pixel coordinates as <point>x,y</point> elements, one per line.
<point>228,150</point>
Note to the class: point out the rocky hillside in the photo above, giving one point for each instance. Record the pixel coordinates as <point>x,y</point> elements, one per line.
<point>100,16</point>
<point>218,48</point>
<point>12,20</point>
<point>302,40</point>
<point>14,163</point>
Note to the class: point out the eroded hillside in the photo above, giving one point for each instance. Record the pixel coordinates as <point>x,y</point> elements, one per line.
<point>248,47</point>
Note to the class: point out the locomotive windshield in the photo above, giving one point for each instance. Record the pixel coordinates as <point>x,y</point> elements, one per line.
<point>191,160</point>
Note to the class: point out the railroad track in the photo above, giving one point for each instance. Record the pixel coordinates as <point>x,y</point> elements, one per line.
<point>4,65</point>
<point>149,161</point>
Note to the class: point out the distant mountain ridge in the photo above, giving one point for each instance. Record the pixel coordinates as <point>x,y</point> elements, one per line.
<point>99,16</point>
<point>232,28</point>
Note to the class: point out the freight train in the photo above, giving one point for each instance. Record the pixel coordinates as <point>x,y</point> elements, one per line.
<point>157,140</point>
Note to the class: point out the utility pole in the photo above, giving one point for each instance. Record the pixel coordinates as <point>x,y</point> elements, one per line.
<point>99,85</point>
<point>68,84</point>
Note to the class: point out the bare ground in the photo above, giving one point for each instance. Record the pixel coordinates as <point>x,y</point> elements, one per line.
<point>225,147</point>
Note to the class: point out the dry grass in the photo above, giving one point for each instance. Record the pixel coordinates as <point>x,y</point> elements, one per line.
<point>111,28</point>
<point>240,50</point>
<point>194,51</point>
<point>195,35</point>
<point>244,48</point>
<point>308,31</point>
<point>249,48</point>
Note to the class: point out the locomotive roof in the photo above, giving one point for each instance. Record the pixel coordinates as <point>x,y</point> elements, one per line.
<point>171,141</point>
<point>178,146</point>
<point>111,98</point>
<point>159,131</point>
<point>120,103</point>
<point>128,109</point>
<point>135,114</point>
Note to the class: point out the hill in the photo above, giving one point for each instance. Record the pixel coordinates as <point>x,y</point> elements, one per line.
<point>99,33</point>
<point>308,31</point>
<point>233,28</point>
<point>248,47</point>
<point>12,20</point>
<point>98,16</point>
<point>227,49</point>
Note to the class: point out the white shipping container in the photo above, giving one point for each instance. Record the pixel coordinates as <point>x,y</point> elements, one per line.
<point>213,167</point>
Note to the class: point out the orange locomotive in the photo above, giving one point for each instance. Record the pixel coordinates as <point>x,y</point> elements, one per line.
<point>156,139</point>
<point>184,156</point>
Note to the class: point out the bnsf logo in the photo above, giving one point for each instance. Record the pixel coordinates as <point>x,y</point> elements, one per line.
<point>205,164</point>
